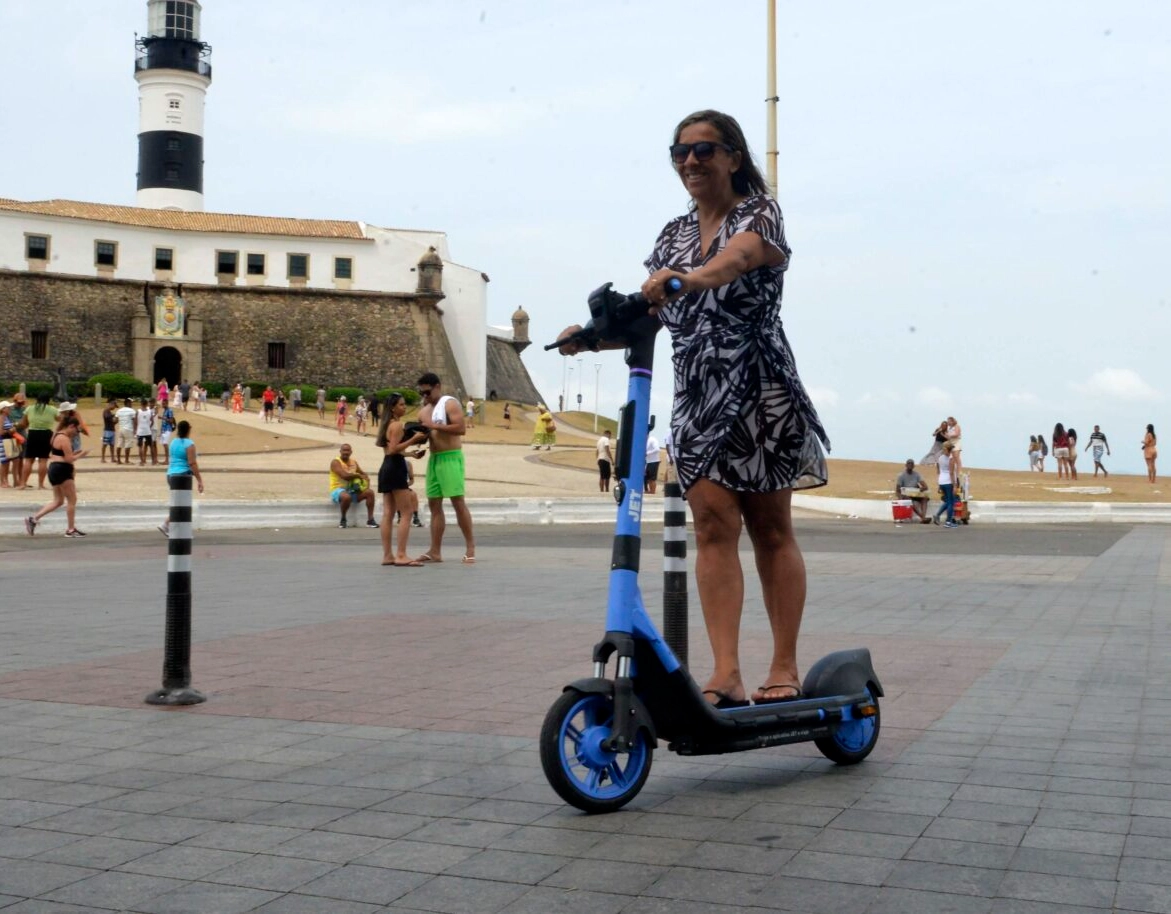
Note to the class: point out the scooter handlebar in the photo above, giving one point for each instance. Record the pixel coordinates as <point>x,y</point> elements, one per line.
<point>622,311</point>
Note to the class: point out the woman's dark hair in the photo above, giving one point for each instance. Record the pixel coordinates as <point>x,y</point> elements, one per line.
<point>1058,430</point>
<point>183,429</point>
<point>747,179</point>
<point>68,422</point>
<point>1070,433</point>
<point>392,401</point>
<point>42,402</point>
<point>1033,439</point>
<point>1150,428</point>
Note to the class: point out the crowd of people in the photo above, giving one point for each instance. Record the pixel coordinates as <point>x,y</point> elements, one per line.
<point>1065,451</point>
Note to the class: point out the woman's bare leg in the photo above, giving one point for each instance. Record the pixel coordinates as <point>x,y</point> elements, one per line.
<point>69,490</point>
<point>402,504</point>
<point>782,578</point>
<point>719,578</point>
<point>387,521</point>
<point>57,502</point>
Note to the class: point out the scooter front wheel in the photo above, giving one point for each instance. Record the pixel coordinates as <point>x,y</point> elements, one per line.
<point>853,740</point>
<point>584,773</point>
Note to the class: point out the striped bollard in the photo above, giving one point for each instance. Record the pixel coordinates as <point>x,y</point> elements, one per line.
<point>176,688</point>
<point>675,570</point>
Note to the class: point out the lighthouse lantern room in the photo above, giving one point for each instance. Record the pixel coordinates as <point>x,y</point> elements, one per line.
<point>173,70</point>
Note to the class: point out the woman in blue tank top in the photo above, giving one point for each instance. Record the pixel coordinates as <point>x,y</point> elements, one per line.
<point>182,461</point>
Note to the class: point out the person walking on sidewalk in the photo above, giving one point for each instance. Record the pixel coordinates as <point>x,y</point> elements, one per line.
<point>443,417</point>
<point>182,460</point>
<point>62,457</point>
<point>946,467</point>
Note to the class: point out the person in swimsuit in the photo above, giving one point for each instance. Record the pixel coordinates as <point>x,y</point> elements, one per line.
<point>1150,451</point>
<point>394,480</point>
<point>61,459</point>
<point>745,431</point>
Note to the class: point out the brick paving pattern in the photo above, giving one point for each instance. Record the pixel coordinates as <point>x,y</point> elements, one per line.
<point>369,739</point>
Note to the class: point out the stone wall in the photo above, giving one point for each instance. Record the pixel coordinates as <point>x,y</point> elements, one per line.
<point>507,374</point>
<point>358,339</point>
<point>87,321</point>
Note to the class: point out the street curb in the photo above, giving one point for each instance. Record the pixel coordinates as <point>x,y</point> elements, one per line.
<point>1004,512</point>
<point>223,515</point>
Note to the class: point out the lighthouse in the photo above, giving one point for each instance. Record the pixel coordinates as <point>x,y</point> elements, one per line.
<point>173,70</point>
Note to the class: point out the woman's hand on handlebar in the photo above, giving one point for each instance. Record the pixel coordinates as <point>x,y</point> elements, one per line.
<point>571,347</point>
<point>655,289</point>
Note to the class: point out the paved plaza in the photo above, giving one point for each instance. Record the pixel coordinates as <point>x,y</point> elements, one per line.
<point>369,739</point>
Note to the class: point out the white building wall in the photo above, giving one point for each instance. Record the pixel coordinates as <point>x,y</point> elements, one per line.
<point>385,261</point>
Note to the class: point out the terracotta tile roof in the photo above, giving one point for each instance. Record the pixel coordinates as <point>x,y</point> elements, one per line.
<point>182,221</point>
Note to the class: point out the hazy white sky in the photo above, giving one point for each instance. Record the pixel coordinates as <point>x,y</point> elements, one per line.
<point>976,192</point>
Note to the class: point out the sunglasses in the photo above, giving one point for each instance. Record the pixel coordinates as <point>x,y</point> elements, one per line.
<point>703,151</point>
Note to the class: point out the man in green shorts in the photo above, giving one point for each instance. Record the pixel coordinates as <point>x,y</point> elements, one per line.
<point>443,417</point>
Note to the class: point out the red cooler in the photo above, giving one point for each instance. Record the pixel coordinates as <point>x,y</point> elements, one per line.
<point>901,509</point>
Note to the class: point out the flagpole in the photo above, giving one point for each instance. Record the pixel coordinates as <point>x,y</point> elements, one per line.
<point>771,99</point>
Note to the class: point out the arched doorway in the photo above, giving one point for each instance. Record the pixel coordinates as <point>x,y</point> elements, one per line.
<point>169,365</point>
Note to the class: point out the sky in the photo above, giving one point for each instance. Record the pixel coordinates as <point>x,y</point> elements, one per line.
<point>976,194</point>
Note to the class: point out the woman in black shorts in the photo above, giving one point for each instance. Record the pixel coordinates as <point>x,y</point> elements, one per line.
<point>393,482</point>
<point>61,460</point>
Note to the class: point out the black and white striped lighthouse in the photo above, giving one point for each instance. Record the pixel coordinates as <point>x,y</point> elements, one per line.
<point>173,70</point>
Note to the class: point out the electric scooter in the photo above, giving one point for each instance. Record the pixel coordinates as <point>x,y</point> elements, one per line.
<point>599,737</point>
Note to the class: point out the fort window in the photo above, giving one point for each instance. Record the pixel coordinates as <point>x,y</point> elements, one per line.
<point>40,344</point>
<point>255,264</point>
<point>173,145</point>
<point>36,247</point>
<point>276,355</point>
<point>164,259</point>
<point>173,103</point>
<point>343,268</point>
<point>225,262</point>
<point>106,253</point>
<point>298,266</point>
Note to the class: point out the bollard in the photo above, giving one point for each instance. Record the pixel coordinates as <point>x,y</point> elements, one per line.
<point>675,570</point>
<point>176,688</point>
<point>98,394</point>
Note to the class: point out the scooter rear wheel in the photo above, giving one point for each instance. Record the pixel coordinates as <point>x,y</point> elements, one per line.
<point>853,740</point>
<point>583,772</point>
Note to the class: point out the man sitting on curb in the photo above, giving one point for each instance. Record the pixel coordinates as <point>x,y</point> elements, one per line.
<point>348,484</point>
<point>911,485</point>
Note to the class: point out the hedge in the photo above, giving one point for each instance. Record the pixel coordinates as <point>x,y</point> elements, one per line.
<point>121,385</point>
<point>408,393</point>
<point>350,393</point>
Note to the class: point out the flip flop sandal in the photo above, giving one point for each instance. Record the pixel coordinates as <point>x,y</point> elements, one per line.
<point>796,696</point>
<point>724,701</point>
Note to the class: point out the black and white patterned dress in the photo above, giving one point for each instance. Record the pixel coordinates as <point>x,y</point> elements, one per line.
<point>741,416</point>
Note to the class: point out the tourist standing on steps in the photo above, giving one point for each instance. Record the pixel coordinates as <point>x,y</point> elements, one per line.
<point>62,457</point>
<point>182,460</point>
<point>443,417</point>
